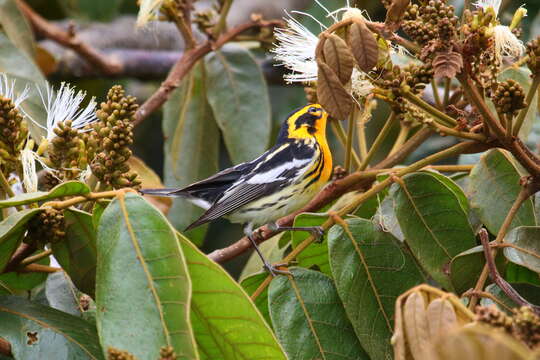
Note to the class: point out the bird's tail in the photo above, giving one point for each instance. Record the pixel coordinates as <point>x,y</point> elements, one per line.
<point>162,192</point>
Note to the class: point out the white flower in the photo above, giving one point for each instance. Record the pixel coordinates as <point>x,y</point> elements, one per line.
<point>506,43</point>
<point>30,178</point>
<point>360,85</point>
<point>7,90</point>
<point>65,105</point>
<point>296,51</point>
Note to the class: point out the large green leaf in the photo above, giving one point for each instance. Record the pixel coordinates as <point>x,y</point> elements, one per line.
<point>316,254</point>
<point>142,284</point>
<point>36,331</point>
<point>493,188</point>
<point>433,220</point>
<point>21,282</point>
<point>520,274</point>
<point>191,146</point>
<point>17,65</point>
<point>61,294</point>
<point>370,271</point>
<point>528,239</point>
<point>12,230</point>
<point>76,253</point>
<point>16,27</point>
<point>252,283</point>
<point>309,318</point>
<point>529,292</point>
<point>226,323</point>
<point>239,98</point>
<point>69,188</point>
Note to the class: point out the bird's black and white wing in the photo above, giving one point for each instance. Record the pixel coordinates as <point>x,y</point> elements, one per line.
<point>278,168</point>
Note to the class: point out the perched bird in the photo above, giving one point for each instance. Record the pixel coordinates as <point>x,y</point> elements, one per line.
<point>278,182</point>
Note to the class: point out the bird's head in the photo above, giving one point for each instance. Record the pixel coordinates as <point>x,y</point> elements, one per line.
<point>306,122</point>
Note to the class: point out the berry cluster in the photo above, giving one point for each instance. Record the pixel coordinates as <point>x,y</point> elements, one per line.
<point>509,97</point>
<point>14,131</point>
<point>66,151</point>
<point>47,227</point>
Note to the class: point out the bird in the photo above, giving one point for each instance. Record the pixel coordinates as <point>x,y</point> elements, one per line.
<point>278,182</point>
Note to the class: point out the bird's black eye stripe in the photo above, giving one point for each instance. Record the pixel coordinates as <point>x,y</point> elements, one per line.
<point>307,119</point>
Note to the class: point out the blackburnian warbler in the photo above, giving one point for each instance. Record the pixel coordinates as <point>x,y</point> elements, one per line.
<point>278,182</point>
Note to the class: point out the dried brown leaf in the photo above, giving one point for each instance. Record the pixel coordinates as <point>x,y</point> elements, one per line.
<point>447,64</point>
<point>416,326</point>
<point>395,14</point>
<point>441,318</point>
<point>331,93</point>
<point>363,45</point>
<point>338,57</point>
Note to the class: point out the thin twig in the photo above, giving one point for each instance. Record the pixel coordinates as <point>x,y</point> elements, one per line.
<point>222,22</point>
<point>446,97</point>
<point>433,111</point>
<point>338,130</point>
<point>469,293</point>
<point>349,141</point>
<point>361,122</point>
<point>404,130</point>
<point>436,95</point>
<point>378,141</point>
<point>498,279</point>
<point>32,259</point>
<point>182,67</point>
<point>105,64</point>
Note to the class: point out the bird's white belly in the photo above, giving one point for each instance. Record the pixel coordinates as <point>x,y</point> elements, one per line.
<point>273,207</point>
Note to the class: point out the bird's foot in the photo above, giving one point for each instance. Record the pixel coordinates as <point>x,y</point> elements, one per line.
<point>318,233</point>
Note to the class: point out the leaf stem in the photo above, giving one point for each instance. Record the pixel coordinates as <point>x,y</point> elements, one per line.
<point>222,22</point>
<point>402,136</point>
<point>5,185</point>
<point>32,259</point>
<point>446,97</point>
<point>523,112</point>
<point>453,132</point>
<point>378,141</point>
<point>436,113</point>
<point>361,121</point>
<point>349,140</point>
<point>340,134</point>
<point>436,95</point>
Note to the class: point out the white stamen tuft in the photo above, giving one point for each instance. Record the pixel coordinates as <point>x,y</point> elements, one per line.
<point>30,179</point>
<point>360,85</point>
<point>485,4</point>
<point>7,90</point>
<point>65,106</point>
<point>85,174</point>
<point>506,43</point>
<point>296,51</point>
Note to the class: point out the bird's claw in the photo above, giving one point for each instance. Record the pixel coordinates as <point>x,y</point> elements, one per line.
<point>275,271</point>
<point>318,233</point>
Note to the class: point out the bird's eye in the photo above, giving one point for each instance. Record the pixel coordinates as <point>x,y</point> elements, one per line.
<point>313,109</point>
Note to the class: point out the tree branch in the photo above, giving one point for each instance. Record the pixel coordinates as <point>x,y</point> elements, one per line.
<point>186,63</point>
<point>106,65</point>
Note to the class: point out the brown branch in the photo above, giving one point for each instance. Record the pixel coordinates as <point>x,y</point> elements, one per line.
<point>334,190</point>
<point>497,278</point>
<point>182,67</point>
<point>22,252</point>
<point>106,65</point>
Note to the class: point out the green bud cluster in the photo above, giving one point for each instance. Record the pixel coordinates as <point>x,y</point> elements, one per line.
<point>115,354</point>
<point>533,52</point>
<point>115,135</point>
<point>526,327</point>
<point>47,227</point>
<point>509,97</point>
<point>14,131</point>
<point>67,151</point>
<point>430,20</point>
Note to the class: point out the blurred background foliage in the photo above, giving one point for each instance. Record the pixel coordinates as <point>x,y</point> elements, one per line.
<point>116,18</point>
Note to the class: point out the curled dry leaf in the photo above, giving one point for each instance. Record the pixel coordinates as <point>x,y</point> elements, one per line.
<point>331,93</point>
<point>422,315</point>
<point>338,57</point>
<point>363,45</point>
<point>150,180</point>
<point>447,64</point>
<point>395,14</point>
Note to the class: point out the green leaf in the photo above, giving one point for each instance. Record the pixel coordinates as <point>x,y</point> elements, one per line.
<point>466,267</point>
<point>523,76</point>
<point>191,146</point>
<point>309,318</point>
<point>316,254</point>
<point>97,211</point>
<point>12,230</point>
<point>434,222</point>
<point>69,188</point>
<point>36,331</point>
<point>252,283</point>
<point>520,274</point>
<point>102,10</point>
<point>493,188</point>
<point>386,218</point>
<point>226,323</point>
<point>239,98</point>
<point>22,282</point>
<point>16,27</point>
<point>77,252</point>
<point>370,271</point>
<point>530,292</point>
<point>142,284</point>
<point>17,65</point>
<point>526,238</point>
<point>61,294</point>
